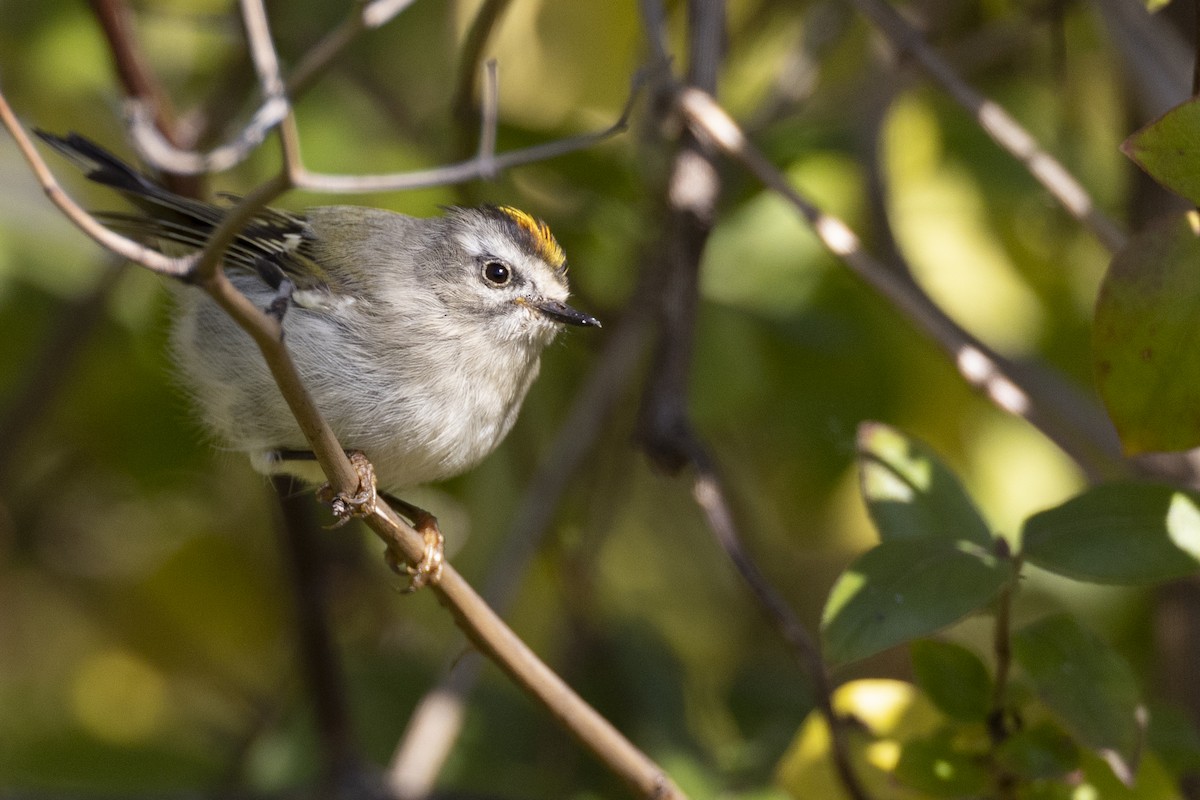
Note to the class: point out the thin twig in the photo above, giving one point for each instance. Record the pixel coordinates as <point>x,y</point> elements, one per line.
<point>472,169</point>
<point>113,242</point>
<point>999,719</point>
<point>709,493</point>
<point>489,119</point>
<point>133,73</point>
<point>1002,648</point>
<point>158,151</point>
<point>262,50</point>
<point>463,103</point>
<point>998,124</point>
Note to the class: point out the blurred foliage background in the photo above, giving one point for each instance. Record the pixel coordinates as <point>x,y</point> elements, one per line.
<point>146,627</point>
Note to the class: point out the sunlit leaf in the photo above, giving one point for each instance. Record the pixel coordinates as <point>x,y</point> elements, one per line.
<point>903,589</point>
<point>1152,781</point>
<point>888,713</point>
<point>953,677</point>
<point>1120,533</point>
<point>910,492</point>
<point>1087,685</point>
<point>1146,338</point>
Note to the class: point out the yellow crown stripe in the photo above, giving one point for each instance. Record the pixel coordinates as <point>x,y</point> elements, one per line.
<point>543,241</point>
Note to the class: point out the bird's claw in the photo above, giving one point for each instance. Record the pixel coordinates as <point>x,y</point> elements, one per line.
<point>428,570</point>
<point>359,503</point>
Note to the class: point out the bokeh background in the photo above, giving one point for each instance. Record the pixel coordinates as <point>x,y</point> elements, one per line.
<point>146,624</point>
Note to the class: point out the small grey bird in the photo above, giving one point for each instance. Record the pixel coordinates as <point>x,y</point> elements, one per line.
<point>418,338</point>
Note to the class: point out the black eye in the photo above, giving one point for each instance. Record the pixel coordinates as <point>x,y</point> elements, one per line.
<point>497,272</point>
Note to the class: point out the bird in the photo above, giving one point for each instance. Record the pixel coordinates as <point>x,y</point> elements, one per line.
<point>417,337</point>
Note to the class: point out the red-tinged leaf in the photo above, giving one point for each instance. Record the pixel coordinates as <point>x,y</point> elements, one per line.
<point>1146,338</point>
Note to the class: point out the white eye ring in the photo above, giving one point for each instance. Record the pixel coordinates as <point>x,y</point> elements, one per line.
<point>497,273</point>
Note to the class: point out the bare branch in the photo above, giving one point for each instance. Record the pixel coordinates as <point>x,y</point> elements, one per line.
<point>158,151</point>
<point>472,169</point>
<point>462,104</point>
<point>488,119</point>
<point>114,242</point>
<point>262,49</point>
<point>998,124</point>
<point>135,76</point>
<point>664,426</point>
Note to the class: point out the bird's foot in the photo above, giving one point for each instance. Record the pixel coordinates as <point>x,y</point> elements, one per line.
<point>428,570</point>
<point>360,502</point>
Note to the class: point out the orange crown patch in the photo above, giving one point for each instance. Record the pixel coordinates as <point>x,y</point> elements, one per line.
<point>544,243</point>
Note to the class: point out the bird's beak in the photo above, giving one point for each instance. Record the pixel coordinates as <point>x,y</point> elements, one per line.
<point>561,312</point>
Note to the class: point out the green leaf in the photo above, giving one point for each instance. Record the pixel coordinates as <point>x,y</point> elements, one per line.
<point>1041,751</point>
<point>903,589</point>
<point>1167,149</point>
<point>934,766</point>
<point>952,677</point>
<point>910,492</point>
<point>1120,533</point>
<point>1087,685</point>
<point>1146,338</point>
<point>1097,779</point>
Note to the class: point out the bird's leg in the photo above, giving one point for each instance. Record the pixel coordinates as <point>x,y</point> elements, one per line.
<point>429,569</point>
<point>360,502</point>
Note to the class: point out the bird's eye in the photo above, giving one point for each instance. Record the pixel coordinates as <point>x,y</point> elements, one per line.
<point>497,273</point>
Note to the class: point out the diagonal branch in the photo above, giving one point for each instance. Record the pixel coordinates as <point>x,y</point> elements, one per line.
<point>997,123</point>
<point>982,368</point>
